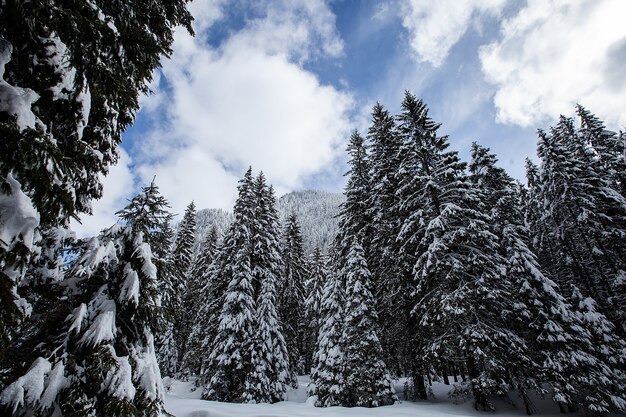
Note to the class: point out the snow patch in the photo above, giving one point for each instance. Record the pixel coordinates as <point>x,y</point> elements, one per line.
<point>15,100</point>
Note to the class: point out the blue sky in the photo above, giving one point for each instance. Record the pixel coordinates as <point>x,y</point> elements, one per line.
<point>280,84</point>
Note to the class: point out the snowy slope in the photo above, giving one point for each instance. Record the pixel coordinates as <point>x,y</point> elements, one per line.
<point>317,215</point>
<point>182,402</point>
<point>316,212</point>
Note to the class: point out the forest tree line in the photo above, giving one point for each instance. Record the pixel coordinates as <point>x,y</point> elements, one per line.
<point>440,269</point>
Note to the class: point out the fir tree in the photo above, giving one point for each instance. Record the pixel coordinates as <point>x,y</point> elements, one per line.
<point>171,354</point>
<point>384,261</point>
<point>71,76</point>
<point>419,142</point>
<point>327,376</point>
<point>194,319</point>
<point>293,295</point>
<point>102,359</point>
<point>461,299</point>
<point>270,373</point>
<point>230,358</point>
<point>313,304</point>
<point>582,217</point>
<point>366,380</point>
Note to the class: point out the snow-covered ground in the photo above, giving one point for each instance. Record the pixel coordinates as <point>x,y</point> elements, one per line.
<point>181,401</point>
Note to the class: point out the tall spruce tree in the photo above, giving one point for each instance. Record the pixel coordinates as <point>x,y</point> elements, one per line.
<point>230,358</point>
<point>70,79</point>
<point>249,359</point>
<point>270,371</point>
<point>418,133</point>
<point>318,274</point>
<point>101,360</point>
<point>582,218</point>
<point>327,375</point>
<point>170,351</point>
<point>366,380</point>
<point>194,319</point>
<point>292,295</point>
<point>392,304</point>
<point>461,299</point>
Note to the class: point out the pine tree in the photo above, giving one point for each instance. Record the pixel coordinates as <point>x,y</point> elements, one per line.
<point>102,359</point>
<point>292,296</point>
<point>171,349</point>
<point>384,261</point>
<point>366,380</point>
<point>185,240</point>
<point>607,149</point>
<point>230,358</point>
<point>71,76</point>
<point>461,299</point>
<point>582,218</point>
<point>194,319</point>
<point>354,218</point>
<point>327,376</point>
<point>270,373</point>
<point>418,136</point>
<point>313,304</point>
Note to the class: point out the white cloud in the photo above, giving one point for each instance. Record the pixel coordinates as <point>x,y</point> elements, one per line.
<point>436,26</point>
<point>553,54</point>
<point>246,102</point>
<point>118,188</point>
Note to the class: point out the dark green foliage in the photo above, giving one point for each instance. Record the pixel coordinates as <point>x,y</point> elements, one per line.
<point>582,219</point>
<point>292,296</point>
<point>81,67</point>
<point>171,350</point>
<point>366,380</point>
<point>99,342</point>
<point>193,319</point>
<point>318,274</point>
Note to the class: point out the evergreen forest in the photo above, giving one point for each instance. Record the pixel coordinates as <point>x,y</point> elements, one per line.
<point>439,270</point>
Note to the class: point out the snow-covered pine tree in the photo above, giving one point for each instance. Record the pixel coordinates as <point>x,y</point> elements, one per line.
<point>392,304</point>
<point>607,149</point>
<point>170,352</point>
<point>580,368</point>
<point>461,299</point>
<point>417,132</point>
<point>292,295</point>
<point>354,218</point>
<point>229,362</point>
<point>596,380</point>
<point>582,217</point>
<point>366,380</point>
<point>182,252</point>
<point>194,321</point>
<point>313,304</point>
<point>327,375</point>
<point>70,79</point>
<point>270,372</point>
<point>149,210</point>
<point>102,359</point>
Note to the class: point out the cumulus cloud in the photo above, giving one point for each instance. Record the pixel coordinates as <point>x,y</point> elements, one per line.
<point>246,101</point>
<point>553,54</point>
<point>436,26</point>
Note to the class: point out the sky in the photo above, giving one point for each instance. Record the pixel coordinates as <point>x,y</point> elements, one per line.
<point>280,85</point>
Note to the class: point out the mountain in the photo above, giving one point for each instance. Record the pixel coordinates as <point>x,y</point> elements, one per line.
<point>317,215</point>
<point>316,212</point>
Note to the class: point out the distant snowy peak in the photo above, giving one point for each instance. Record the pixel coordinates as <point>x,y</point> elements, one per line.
<point>317,215</point>
<point>316,212</point>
